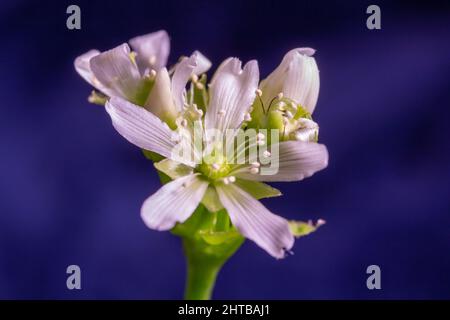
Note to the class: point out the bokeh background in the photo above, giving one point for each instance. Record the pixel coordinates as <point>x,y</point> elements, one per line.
<point>71,187</point>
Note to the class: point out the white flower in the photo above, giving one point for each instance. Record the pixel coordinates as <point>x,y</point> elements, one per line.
<point>232,92</point>
<point>130,74</point>
<point>297,78</point>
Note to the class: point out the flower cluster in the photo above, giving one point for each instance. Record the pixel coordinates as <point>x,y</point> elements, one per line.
<point>160,110</point>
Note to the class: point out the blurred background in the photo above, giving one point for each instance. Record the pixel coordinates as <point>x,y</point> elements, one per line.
<point>71,188</point>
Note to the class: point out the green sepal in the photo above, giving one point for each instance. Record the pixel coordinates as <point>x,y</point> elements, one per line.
<point>97,98</point>
<point>173,169</point>
<point>301,229</point>
<point>258,190</point>
<point>211,200</point>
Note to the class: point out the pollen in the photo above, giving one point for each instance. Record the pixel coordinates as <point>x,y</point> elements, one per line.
<point>254,170</point>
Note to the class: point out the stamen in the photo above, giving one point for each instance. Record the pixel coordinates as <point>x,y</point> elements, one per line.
<point>255,165</point>
<point>152,73</point>
<point>280,96</point>
<point>320,222</point>
<point>226,180</point>
<point>233,179</point>
<point>194,78</point>
<point>215,166</point>
<point>200,86</point>
<point>289,115</point>
<point>266,154</point>
<point>254,170</point>
<point>258,92</point>
<point>247,116</point>
<point>183,123</point>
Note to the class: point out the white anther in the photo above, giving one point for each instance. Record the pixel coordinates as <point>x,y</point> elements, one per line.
<point>254,170</point>
<point>232,179</point>
<point>152,73</point>
<point>247,116</point>
<point>258,92</point>
<point>199,86</point>
<point>255,164</point>
<point>194,77</point>
<point>260,136</point>
<point>261,142</point>
<point>226,180</point>
<point>289,115</point>
<point>280,96</point>
<point>183,123</point>
<point>266,154</point>
<point>320,222</point>
<point>215,166</point>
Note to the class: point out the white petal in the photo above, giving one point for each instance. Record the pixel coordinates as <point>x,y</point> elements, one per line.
<point>152,50</point>
<point>183,71</point>
<point>115,71</point>
<point>296,160</point>
<point>140,127</point>
<point>160,100</point>
<point>255,222</point>
<point>297,77</point>
<point>203,63</point>
<point>174,202</point>
<point>232,92</point>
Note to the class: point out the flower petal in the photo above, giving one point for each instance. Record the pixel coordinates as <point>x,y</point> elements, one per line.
<point>232,92</point>
<point>297,77</point>
<point>296,160</point>
<point>116,71</point>
<point>174,202</point>
<point>160,101</point>
<point>255,222</point>
<point>140,127</point>
<point>203,63</point>
<point>197,63</point>
<point>183,71</point>
<point>152,50</point>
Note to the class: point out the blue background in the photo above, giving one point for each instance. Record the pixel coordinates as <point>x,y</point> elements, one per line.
<point>71,187</point>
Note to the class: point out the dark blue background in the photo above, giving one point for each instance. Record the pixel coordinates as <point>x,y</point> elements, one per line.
<point>71,187</point>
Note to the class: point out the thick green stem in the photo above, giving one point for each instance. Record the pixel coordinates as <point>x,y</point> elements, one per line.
<point>201,277</point>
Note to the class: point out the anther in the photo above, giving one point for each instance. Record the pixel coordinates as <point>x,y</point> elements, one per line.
<point>254,170</point>
<point>194,78</point>
<point>199,86</point>
<point>233,179</point>
<point>258,92</point>
<point>255,164</point>
<point>266,154</point>
<point>280,96</point>
<point>215,166</point>
<point>289,115</point>
<point>247,116</point>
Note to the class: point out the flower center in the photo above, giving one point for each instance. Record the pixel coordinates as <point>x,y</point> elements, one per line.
<point>214,167</point>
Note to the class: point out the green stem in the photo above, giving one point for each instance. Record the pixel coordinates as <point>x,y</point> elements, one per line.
<point>202,270</point>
